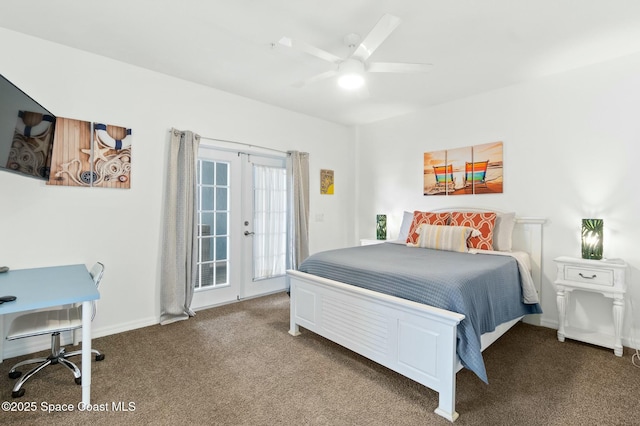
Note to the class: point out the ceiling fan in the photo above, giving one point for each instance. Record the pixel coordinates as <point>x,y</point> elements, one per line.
<point>351,70</point>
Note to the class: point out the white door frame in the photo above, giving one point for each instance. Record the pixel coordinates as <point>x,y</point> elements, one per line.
<point>240,247</point>
<point>251,287</point>
<point>208,297</point>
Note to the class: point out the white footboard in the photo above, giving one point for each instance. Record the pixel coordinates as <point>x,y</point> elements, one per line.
<point>415,340</point>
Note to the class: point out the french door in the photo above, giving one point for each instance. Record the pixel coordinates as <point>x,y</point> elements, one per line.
<point>242,235</point>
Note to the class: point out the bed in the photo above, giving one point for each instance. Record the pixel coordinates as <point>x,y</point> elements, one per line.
<point>420,341</point>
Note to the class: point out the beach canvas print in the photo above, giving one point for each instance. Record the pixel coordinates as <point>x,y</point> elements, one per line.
<point>437,176</point>
<point>91,154</point>
<point>486,173</point>
<point>31,145</point>
<point>470,170</point>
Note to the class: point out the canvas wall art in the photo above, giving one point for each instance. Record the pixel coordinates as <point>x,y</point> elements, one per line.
<point>326,182</point>
<point>475,169</point>
<point>31,145</point>
<point>91,154</point>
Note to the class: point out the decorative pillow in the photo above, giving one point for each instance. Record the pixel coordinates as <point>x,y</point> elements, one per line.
<point>483,222</point>
<point>439,237</point>
<point>503,231</point>
<point>407,218</point>
<point>424,217</point>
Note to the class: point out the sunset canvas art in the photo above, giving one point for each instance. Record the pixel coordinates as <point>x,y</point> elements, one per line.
<point>475,169</point>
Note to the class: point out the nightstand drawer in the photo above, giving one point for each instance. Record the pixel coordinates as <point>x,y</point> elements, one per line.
<point>589,276</point>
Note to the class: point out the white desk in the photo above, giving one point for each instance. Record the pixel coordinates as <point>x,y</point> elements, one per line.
<point>47,287</point>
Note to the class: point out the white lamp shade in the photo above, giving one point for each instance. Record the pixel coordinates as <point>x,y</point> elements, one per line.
<point>351,75</point>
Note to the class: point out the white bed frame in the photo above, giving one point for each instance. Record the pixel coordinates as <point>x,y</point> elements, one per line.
<point>415,340</point>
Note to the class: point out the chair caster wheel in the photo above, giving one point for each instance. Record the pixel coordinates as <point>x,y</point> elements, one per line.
<point>15,374</point>
<point>100,357</point>
<point>18,393</point>
<point>78,380</point>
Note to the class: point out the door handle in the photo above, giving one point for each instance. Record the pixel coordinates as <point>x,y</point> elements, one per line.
<point>246,233</point>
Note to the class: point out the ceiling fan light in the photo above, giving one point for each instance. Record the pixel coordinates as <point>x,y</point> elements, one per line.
<point>351,81</point>
<point>351,74</point>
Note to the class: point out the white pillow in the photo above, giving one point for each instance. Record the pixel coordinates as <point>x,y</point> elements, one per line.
<point>407,218</point>
<point>503,231</point>
<point>444,237</point>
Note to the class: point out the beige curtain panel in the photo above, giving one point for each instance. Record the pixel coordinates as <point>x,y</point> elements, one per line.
<point>179,248</point>
<point>298,171</point>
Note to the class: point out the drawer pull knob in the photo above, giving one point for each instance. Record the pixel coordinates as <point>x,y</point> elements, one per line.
<point>588,278</point>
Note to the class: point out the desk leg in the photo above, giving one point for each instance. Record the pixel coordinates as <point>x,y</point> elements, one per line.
<point>86,352</point>
<point>1,338</point>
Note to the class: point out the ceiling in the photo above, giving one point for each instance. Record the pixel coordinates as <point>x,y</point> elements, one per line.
<point>475,46</point>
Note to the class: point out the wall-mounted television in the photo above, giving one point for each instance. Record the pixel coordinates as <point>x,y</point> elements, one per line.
<point>26,133</point>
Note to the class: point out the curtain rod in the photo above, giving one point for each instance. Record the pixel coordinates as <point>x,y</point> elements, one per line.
<point>242,143</point>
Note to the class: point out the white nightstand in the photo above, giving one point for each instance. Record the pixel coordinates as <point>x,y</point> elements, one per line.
<point>370,241</point>
<point>606,277</point>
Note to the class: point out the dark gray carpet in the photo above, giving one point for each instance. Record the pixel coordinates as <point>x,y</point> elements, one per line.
<point>237,365</point>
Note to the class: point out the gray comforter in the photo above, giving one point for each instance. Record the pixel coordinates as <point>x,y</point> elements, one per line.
<point>485,288</point>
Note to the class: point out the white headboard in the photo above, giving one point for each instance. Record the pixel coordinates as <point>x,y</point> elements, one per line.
<point>527,236</point>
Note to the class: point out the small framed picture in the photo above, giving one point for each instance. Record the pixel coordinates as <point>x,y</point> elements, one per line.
<point>326,181</point>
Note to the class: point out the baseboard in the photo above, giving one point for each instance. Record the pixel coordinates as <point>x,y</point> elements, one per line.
<point>121,328</point>
<point>627,342</point>
<point>549,324</point>
<point>215,305</point>
<point>36,344</point>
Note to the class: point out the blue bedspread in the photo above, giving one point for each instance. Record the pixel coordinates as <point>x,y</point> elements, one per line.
<point>485,288</point>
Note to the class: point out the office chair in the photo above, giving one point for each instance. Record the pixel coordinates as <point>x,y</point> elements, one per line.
<point>53,321</point>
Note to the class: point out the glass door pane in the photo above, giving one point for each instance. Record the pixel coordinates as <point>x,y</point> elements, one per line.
<point>269,221</point>
<point>213,214</point>
<point>265,216</point>
<point>219,185</point>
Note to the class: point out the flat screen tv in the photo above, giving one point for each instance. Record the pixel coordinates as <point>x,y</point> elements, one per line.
<point>26,133</point>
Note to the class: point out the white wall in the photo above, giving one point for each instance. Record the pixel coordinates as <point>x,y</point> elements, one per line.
<point>570,152</point>
<point>44,225</point>
<point>569,146</point>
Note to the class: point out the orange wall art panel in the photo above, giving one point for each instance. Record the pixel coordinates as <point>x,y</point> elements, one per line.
<point>475,169</point>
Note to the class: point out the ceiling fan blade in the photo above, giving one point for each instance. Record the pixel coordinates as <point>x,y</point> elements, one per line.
<point>376,36</point>
<point>310,50</point>
<point>315,79</point>
<point>398,67</point>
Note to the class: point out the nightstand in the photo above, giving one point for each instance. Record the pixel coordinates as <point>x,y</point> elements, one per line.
<point>606,277</point>
<point>370,241</point>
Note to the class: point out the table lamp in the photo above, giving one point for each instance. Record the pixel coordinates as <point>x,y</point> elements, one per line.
<point>381,227</point>
<point>592,238</point>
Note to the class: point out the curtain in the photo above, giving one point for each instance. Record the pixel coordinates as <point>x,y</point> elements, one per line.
<point>179,248</point>
<point>298,172</point>
<point>269,222</point>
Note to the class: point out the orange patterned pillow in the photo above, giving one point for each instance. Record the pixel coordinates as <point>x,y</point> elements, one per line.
<point>483,222</point>
<point>424,217</point>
